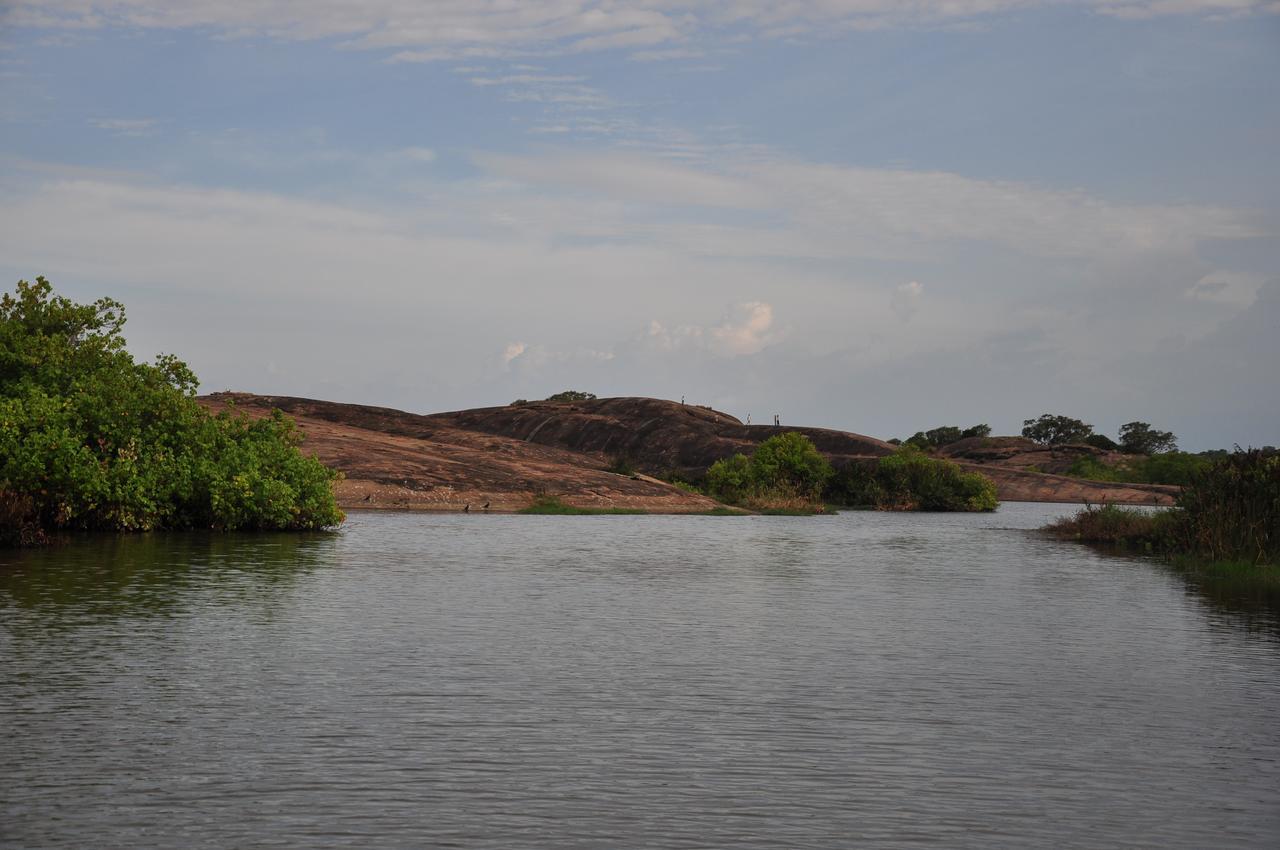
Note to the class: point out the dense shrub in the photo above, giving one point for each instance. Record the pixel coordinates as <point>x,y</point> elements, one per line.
<point>1177,468</point>
<point>571,395</point>
<point>785,471</point>
<point>909,480</point>
<point>90,439</point>
<point>1233,509</point>
<point>1230,511</point>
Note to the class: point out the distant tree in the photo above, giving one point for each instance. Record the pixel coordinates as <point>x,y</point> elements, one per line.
<point>945,435</point>
<point>571,395</point>
<point>1139,438</point>
<point>1054,430</point>
<point>1102,441</point>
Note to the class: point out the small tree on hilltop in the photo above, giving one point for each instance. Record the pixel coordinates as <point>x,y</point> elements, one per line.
<point>1054,430</point>
<point>1139,438</point>
<point>945,435</point>
<point>571,395</point>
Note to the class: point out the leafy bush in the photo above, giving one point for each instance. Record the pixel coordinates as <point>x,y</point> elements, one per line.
<point>909,480</point>
<point>1230,511</point>
<point>90,439</point>
<point>785,471</point>
<point>1176,468</point>
<point>571,395</point>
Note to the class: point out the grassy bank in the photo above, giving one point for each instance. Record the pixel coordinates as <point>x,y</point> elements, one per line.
<point>1226,523</point>
<point>553,506</point>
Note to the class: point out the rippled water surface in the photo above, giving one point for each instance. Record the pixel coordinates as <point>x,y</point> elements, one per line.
<point>623,681</point>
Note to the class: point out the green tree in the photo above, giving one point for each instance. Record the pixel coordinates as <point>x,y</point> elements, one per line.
<point>91,439</point>
<point>1054,430</point>
<point>1139,438</point>
<point>945,435</point>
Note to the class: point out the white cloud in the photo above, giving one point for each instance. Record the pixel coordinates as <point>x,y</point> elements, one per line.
<point>746,331</point>
<point>1238,289</point>
<point>512,351</point>
<point>462,29</point>
<point>906,300</point>
<point>126,126</point>
<point>808,210</point>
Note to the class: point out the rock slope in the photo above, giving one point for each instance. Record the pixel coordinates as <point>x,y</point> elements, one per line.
<point>507,456</point>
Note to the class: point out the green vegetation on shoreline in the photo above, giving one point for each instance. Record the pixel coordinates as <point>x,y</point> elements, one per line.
<point>1229,514</point>
<point>785,473</point>
<point>908,480</point>
<point>92,440</point>
<point>554,506</point>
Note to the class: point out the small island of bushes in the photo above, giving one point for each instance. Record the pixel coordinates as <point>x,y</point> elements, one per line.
<point>92,440</point>
<point>786,474</point>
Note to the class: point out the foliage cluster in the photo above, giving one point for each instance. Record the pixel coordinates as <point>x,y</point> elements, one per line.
<point>785,471</point>
<point>571,395</point>
<point>91,439</point>
<point>1052,429</point>
<point>1140,438</point>
<point>945,435</point>
<point>909,480</point>
<point>1177,468</point>
<point>1228,511</point>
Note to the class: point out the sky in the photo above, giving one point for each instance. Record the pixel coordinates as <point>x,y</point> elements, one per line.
<point>875,215</point>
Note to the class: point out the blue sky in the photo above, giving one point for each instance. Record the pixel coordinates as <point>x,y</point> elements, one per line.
<point>881,216</point>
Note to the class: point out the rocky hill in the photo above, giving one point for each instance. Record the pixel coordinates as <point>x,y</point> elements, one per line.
<point>392,459</point>
<point>506,456</point>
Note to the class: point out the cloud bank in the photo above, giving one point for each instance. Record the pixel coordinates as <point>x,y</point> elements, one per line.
<point>454,29</point>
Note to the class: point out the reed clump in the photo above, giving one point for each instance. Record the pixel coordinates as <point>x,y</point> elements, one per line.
<point>1230,511</point>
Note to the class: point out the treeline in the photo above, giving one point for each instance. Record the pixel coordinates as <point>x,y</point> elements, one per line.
<point>786,472</point>
<point>92,440</point>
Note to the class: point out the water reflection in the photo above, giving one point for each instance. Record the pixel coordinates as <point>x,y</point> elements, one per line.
<point>148,575</point>
<point>1239,600</point>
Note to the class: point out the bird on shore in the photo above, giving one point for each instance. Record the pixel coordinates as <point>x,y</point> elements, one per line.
<point>486,506</point>
<point>466,509</point>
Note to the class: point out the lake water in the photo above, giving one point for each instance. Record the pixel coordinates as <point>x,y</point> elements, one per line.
<point>884,680</point>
